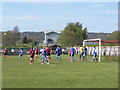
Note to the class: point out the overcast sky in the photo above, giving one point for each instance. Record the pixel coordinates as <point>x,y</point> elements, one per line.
<point>39,16</point>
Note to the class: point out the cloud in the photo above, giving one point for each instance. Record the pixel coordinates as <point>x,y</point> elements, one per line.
<point>21,18</point>
<point>109,11</point>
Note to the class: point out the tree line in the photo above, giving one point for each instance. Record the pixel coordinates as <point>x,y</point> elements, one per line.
<point>73,34</point>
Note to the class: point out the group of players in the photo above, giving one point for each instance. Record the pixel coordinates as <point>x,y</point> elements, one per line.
<point>46,52</point>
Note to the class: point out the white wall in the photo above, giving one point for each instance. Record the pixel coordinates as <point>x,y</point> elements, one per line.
<point>111,50</point>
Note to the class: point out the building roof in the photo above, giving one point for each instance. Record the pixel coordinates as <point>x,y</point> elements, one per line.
<point>48,31</point>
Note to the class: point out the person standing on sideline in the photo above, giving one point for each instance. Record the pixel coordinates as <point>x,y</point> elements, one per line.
<point>5,52</point>
<point>12,51</point>
<point>63,51</point>
<point>72,50</point>
<point>58,53</point>
<point>104,52</point>
<point>81,52</point>
<point>48,51</point>
<point>95,54</point>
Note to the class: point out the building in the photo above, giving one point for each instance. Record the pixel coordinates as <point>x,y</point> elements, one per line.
<point>51,36</point>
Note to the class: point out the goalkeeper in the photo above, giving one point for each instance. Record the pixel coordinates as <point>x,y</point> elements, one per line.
<point>95,54</point>
<point>81,52</point>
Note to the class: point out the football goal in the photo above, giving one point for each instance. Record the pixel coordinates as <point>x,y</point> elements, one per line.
<point>94,42</point>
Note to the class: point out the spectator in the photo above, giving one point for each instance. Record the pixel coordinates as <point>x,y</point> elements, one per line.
<point>104,51</point>
<point>12,51</point>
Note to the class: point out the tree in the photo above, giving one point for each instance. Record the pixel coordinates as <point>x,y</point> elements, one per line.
<point>66,38</point>
<point>73,34</point>
<point>114,35</point>
<point>6,38</point>
<point>35,42</point>
<point>10,37</point>
<point>25,40</point>
<point>16,34</point>
<point>31,41</point>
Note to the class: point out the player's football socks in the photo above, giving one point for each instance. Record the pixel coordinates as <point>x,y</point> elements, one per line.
<point>93,60</point>
<point>42,61</point>
<point>60,57</point>
<point>56,58</point>
<point>96,59</point>
<point>47,61</point>
<point>72,58</point>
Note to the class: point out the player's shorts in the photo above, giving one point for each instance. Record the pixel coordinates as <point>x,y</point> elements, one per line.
<point>58,54</point>
<point>104,53</point>
<point>36,53</point>
<point>82,53</point>
<point>95,55</point>
<point>85,54</point>
<point>21,54</point>
<point>5,53</point>
<point>32,56</point>
<point>48,54</point>
<point>43,57</point>
<point>72,54</point>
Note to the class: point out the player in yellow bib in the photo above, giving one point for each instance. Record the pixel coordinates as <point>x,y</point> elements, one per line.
<point>81,52</point>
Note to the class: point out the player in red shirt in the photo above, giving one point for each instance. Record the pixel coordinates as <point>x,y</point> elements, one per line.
<point>36,52</point>
<point>32,53</point>
<point>5,52</point>
<point>48,51</point>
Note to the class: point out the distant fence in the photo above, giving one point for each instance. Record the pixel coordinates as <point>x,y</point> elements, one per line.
<point>16,51</point>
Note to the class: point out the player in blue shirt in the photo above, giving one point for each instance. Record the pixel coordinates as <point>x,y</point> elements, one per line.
<point>72,53</point>
<point>85,52</point>
<point>95,54</point>
<point>20,53</point>
<point>44,56</point>
<point>58,52</point>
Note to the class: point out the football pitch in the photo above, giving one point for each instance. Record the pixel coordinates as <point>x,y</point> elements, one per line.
<point>58,74</point>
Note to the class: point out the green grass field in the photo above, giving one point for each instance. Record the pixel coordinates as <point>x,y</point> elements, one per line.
<point>58,74</point>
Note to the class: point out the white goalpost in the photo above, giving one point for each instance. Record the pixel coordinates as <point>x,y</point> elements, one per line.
<point>87,40</point>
